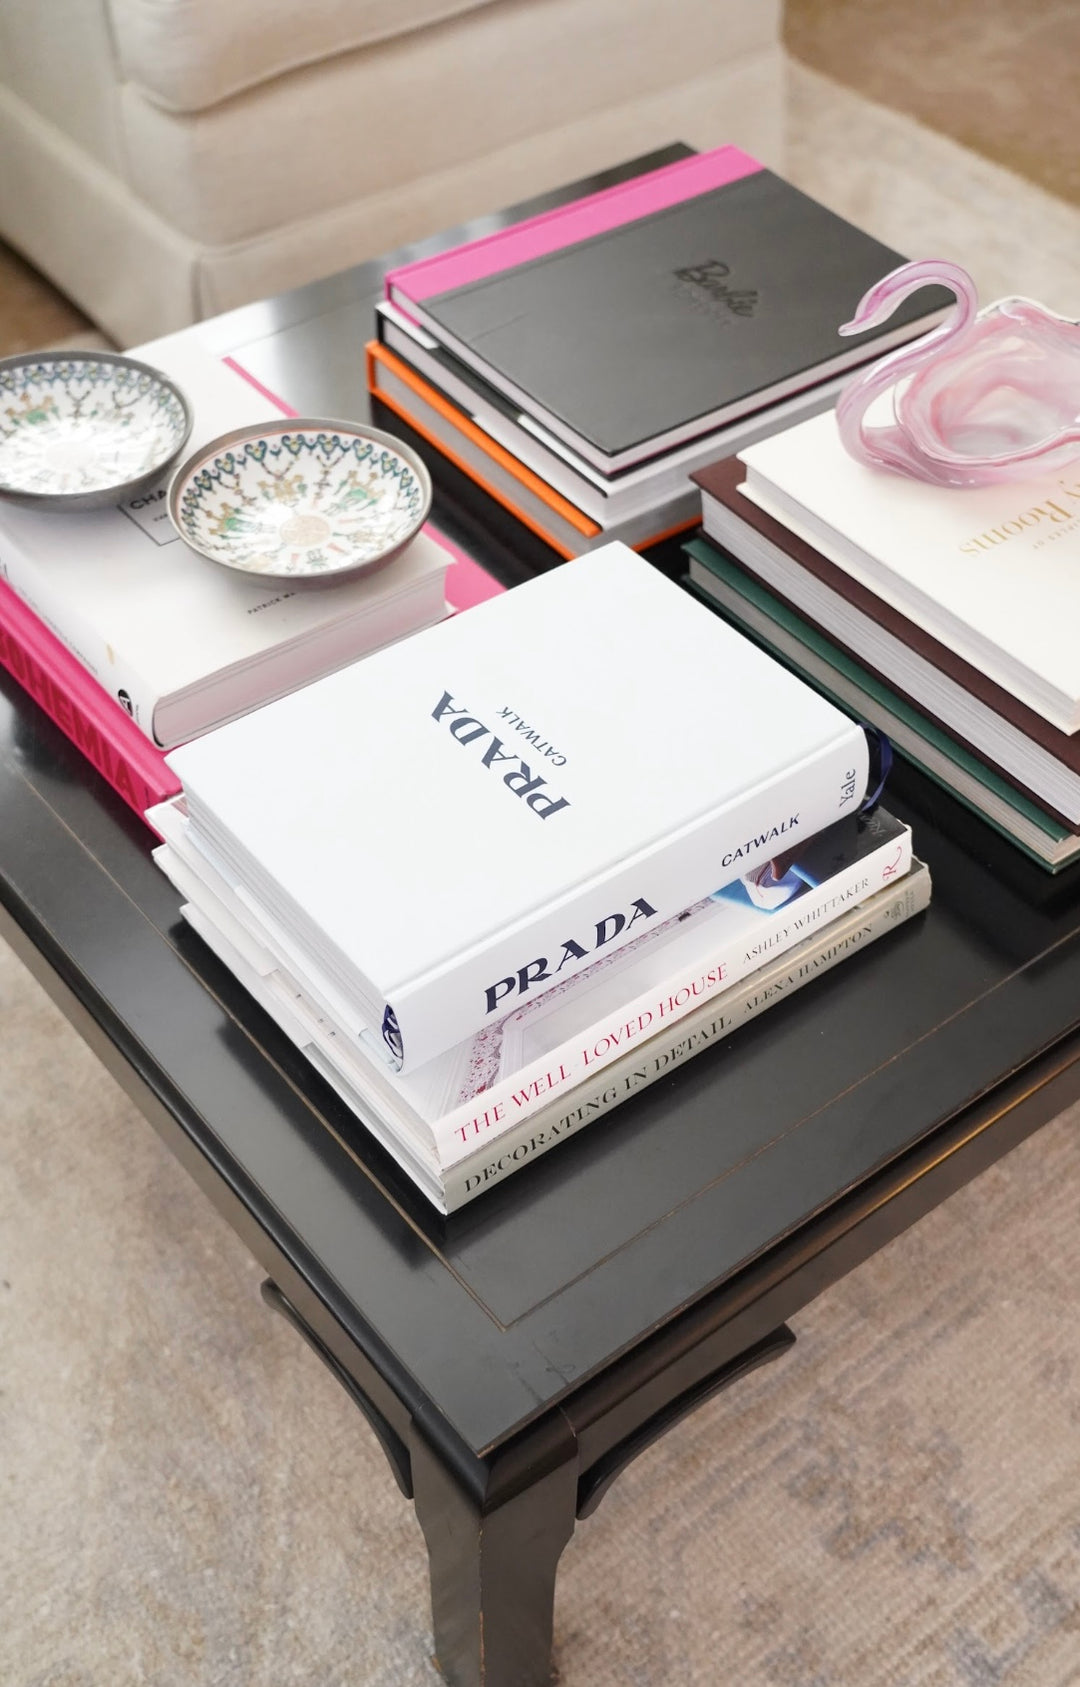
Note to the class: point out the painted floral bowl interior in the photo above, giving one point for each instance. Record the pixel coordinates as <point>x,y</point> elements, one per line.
<point>82,430</point>
<point>301,500</point>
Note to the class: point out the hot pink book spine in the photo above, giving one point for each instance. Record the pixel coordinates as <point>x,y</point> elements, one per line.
<point>466,582</point>
<point>86,714</point>
<point>580,220</point>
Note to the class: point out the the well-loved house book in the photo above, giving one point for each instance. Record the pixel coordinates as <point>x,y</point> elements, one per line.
<point>667,323</point>
<point>992,572</point>
<point>1009,735</point>
<point>780,629</point>
<point>180,642</point>
<point>485,1100</point>
<point>469,816</point>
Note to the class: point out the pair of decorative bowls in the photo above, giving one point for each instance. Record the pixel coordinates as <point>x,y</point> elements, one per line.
<point>302,500</point>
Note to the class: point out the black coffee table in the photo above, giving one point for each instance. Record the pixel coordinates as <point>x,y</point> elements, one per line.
<point>513,1359</point>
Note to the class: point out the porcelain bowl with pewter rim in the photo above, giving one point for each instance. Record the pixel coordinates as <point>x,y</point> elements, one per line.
<point>305,500</point>
<point>81,430</point>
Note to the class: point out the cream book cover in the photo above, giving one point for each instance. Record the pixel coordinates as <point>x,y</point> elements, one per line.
<point>993,572</point>
<point>182,643</point>
<point>471,815</point>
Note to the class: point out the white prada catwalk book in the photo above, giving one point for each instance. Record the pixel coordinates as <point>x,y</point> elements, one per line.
<point>467,817</point>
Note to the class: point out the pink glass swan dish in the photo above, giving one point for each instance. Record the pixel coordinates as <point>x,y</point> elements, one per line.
<point>985,396</point>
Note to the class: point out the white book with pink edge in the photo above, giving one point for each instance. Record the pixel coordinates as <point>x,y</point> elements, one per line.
<point>182,643</point>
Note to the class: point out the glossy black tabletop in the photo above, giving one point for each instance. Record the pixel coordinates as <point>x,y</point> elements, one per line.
<point>493,1315</point>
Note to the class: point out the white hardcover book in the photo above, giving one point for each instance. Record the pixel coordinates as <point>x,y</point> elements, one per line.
<point>938,755</point>
<point>609,501</point>
<point>993,572</point>
<point>565,1036</point>
<point>181,642</point>
<point>1019,757</point>
<point>525,1140</point>
<point>469,816</point>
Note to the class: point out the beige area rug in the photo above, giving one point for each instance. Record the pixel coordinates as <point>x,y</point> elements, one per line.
<point>929,197</point>
<point>188,1500</point>
<point>999,76</point>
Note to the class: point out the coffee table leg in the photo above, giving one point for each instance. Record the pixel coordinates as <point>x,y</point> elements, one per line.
<point>494,1534</point>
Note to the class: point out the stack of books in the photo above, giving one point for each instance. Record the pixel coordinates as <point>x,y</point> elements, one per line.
<point>947,617</point>
<point>499,877</point>
<point>133,643</point>
<point>580,365</point>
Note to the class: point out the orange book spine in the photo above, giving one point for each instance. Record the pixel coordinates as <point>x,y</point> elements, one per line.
<point>379,355</point>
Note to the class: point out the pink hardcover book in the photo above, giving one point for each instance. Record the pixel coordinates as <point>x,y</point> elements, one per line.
<point>95,722</point>
<point>598,213</point>
<point>86,714</point>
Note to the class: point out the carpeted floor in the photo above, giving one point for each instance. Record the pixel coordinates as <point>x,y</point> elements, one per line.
<point>34,315</point>
<point>188,1500</point>
<point>999,76</point>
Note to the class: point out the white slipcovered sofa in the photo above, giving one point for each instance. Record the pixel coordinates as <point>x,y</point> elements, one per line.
<point>162,160</point>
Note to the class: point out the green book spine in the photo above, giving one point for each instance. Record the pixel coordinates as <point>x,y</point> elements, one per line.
<point>858,689</point>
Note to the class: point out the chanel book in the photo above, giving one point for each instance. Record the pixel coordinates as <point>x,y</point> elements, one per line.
<point>181,643</point>
<point>469,817</point>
